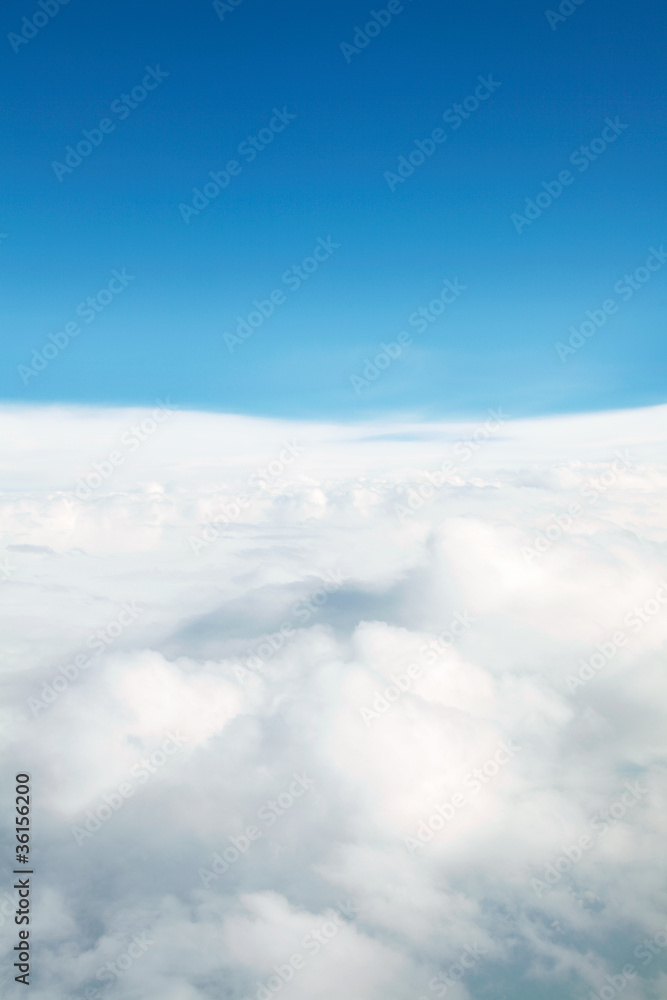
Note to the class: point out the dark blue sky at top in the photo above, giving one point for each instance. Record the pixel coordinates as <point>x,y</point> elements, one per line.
<point>323,176</point>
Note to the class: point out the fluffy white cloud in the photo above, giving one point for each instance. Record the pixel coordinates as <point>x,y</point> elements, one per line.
<point>308,710</point>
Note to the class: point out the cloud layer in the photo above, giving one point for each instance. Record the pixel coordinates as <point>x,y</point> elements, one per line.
<point>335,711</point>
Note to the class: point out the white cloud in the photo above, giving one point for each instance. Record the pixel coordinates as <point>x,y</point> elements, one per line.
<point>430,750</point>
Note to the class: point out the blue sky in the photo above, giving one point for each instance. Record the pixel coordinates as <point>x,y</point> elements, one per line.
<point>323,177</point>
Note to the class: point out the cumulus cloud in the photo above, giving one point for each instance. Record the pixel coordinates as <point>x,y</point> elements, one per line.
<point>313,710</point>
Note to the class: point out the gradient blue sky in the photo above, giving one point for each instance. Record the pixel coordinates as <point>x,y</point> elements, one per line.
<point>324,176</point>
